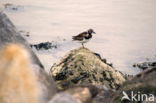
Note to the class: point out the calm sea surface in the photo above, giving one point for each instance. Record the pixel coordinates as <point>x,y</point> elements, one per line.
<point>125,29</point>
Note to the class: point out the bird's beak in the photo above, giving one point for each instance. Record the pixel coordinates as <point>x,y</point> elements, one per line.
<point>94,32</point>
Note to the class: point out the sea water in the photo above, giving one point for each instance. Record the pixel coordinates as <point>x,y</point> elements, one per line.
<point>125,29</point>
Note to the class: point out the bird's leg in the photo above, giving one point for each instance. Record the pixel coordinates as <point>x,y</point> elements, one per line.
<point>82,45</point>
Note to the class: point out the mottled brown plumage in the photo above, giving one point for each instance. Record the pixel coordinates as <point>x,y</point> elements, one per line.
<point>84,36</point>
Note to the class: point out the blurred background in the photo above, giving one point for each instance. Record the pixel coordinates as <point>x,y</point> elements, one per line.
<point>125,29</point>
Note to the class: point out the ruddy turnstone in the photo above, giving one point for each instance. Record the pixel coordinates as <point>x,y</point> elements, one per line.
<point>84,36</point>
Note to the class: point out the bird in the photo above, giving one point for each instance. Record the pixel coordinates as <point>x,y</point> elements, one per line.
<point>84,37</point>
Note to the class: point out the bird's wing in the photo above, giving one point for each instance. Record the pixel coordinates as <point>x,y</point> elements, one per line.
<point>83,34</point>
<point>80,36</point>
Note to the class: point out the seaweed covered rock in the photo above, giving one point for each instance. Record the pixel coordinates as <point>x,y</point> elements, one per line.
<point>82,66</point>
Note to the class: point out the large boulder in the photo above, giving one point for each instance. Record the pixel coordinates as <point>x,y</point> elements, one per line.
<point>9,35</point>
<point>82,66</point>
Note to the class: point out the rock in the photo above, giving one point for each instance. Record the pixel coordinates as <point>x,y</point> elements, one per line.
<point>81,66</point>
<point>24,33</point>
<point>105,96</point>
<point>44,46</point>
<point>9,35</point>
<point>143,83</point>
<point>104,60</point>
<point>145,65</point>
<point>13,7</point>
<point>81,94</point>
<point>129,77</point>
<point>63,98</point>
<point>142,80</point>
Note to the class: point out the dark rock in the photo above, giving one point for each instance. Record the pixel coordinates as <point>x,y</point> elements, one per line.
<point>13,7</point>
<point>24,33</point>
<point>44,46</point>
<point>143,83</point>
<point>145,65</point>
<point>86,68</point>
<point>27,35</point>
<point>104,60</point>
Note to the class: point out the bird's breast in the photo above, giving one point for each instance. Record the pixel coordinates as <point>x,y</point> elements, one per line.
<point>89,36</point>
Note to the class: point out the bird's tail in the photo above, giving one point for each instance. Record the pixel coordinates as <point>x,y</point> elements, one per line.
<point>73,38</point>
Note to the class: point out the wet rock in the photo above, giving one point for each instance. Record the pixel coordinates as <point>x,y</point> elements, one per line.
<point>24,33</point>
<point>104,60</point>
<point>44,46</point>
<point>13,7</point>
<point>81,66</point>
<point>9,35</point>
<point>145,65</point>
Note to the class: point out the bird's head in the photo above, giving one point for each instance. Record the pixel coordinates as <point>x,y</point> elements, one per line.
<point>90,31</point>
